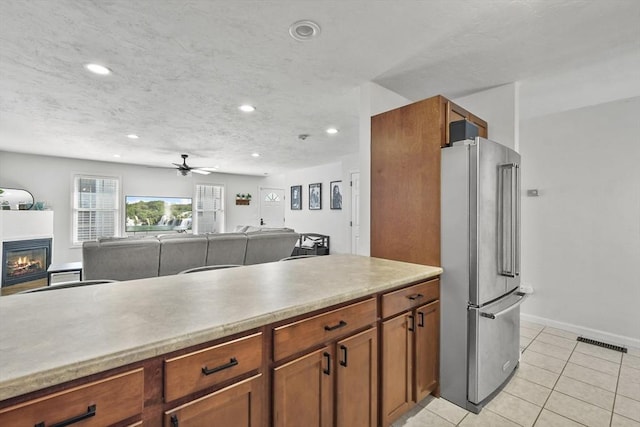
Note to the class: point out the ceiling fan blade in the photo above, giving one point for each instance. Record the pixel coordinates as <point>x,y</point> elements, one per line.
<point>200,171</point>
<point>179,165</point>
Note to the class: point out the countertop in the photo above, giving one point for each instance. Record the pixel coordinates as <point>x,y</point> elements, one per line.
<point>47,338</point>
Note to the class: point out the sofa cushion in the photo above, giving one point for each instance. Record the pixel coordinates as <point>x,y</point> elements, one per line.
<point>120,259</point>
<point>178,253</point>
<point>269,246</point>
<point>226,248</point>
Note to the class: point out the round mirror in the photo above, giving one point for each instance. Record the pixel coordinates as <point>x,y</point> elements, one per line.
<point>14,199</point>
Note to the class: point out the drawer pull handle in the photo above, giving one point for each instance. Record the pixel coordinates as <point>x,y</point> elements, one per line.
<point>343,362</point>
<point>412,324</point>
<point>328,370</point>
<point>174,421</point>
<point>334,327</point>
<point>415,297</point>
<point>232,362</point>
<point>91,412</point>
<point>421,319</point>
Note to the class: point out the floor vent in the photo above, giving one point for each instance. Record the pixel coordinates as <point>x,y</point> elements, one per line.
<point>603,344</point>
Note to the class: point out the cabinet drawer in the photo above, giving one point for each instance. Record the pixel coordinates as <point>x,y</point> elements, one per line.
<point>99,403</point>
<point>298,336</point>
<point>195,371</point>
<point>408,298</point>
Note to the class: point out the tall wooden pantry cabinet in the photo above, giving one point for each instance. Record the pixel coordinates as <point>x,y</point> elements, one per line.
<point>405,226</point>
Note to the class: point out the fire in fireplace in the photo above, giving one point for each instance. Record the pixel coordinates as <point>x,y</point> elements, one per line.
<point>25,260</point>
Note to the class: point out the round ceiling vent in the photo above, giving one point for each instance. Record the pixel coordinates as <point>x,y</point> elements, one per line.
<point>304,30</point>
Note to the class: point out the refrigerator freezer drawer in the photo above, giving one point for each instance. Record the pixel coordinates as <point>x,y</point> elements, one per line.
<point>493,346</point>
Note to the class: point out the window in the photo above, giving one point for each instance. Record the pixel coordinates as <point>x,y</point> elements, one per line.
<point>272,197</point>
<point>96,207</point>
<point>209,209</point>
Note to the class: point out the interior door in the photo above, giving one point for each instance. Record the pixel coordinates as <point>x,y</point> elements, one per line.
<point>355,211</point>
<point>272,207</point>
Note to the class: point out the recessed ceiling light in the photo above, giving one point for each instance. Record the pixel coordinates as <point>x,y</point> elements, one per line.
<point>98,69</point>
<point>247,108</point>
<point>132,136</point>
<point>332,131</point>
<point>256,155</point>
<point>304,30</point>
<point>116,155</point>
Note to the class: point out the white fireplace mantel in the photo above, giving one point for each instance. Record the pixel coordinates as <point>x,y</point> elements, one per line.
<point>23,225</point>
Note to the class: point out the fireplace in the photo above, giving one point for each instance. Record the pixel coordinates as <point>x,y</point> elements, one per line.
<point>25,260</point>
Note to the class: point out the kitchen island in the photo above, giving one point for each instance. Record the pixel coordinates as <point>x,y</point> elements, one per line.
<point>134,332</point>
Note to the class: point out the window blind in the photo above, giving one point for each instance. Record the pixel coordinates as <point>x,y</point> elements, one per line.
<point>95,207</point>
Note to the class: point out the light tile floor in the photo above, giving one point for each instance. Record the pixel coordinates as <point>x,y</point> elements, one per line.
<point>560,382</point>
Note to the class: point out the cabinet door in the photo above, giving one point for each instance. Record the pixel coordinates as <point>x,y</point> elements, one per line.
<point>302,391</point>
<point>357,380</point>
<point>454,113</point>
<point>240,405</point>
<point>427,349</point>
<point>397,350</point>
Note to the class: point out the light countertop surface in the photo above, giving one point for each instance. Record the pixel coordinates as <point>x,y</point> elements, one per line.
<point>47,338</point>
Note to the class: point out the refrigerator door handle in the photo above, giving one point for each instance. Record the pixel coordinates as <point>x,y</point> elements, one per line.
<point>507,230</point>
<point>513,306</point>
<point>516,221</point>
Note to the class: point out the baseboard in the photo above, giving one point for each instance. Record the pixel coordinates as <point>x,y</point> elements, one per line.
<point>585,332</point>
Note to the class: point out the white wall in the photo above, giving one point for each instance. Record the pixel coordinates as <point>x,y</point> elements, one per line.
<point>581,236</point>
<point>331,222</point>
<point>51,179</point>
<point>498,106</point>
<point>374,99</point>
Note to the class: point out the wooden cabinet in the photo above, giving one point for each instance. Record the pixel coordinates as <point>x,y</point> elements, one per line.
<point>100,403</point>
<point>357,380</point>
<point>405,178</point>
<point>240,405</point>
<point>198,370</point>
<point>410,348</point>
<point>302,391</point>
<point>335,385</point>
<point>453,113</point>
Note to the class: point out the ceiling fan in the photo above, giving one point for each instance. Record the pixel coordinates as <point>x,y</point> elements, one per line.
<point>184,168</point>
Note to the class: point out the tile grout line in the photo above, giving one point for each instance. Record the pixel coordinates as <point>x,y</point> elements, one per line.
<point>553,389</point>
<point>615,395</point>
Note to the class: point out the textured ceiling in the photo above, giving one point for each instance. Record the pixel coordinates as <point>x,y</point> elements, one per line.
<point>181,68</point>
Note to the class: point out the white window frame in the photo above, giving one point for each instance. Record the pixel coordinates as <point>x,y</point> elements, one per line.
<point>217,209</point>
<point>76,209</point>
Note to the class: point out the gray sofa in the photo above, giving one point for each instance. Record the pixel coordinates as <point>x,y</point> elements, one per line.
<point>136,258</point>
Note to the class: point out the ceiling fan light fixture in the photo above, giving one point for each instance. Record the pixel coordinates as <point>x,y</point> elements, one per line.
<point>200,171</point>
<point>332,131</point>
<point>255,155</point>
<point>132,136</point>
<point>98,69</point>
<point>304,30</point>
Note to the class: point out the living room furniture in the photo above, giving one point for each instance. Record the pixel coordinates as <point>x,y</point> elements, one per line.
<point>67,270</point>
<point>136,258</point>
<point>67,285</point>
<point>291,258</point>
<point>209,267</point>
<point>312,244</point>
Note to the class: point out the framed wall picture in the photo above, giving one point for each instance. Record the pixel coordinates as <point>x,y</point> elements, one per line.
<point>336,195</point>
<point>296,197</point>
<point>315,196</point>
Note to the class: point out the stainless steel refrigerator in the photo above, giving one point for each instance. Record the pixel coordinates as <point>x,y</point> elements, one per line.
<point>480,249</point>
